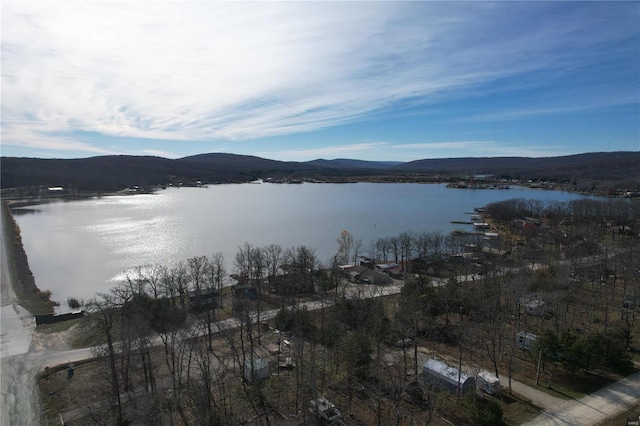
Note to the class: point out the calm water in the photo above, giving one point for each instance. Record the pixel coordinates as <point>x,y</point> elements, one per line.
<point>78,248</point>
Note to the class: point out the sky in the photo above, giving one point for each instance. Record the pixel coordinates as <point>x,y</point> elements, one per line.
<point>297,81</point>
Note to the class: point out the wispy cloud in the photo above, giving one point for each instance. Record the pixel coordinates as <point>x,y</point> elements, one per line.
<point>41,136</point>
<point>236,70</point>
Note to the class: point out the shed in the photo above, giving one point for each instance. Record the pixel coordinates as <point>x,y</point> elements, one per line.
<point>535,308</point>
<point>525,340</point>
<point>446,377</point>
<point>256,369</point>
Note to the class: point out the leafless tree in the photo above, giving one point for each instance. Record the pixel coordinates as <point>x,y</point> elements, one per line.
<point>345,246</point>
<point>273,259</point>
<point>406,241</point>
<point>216,274</point>
<point>105,311</point>
<point>383,248</point>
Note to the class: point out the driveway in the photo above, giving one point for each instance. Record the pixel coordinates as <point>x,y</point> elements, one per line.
<point>537,397</point>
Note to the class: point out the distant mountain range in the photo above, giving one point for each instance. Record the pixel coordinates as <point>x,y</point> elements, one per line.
<point>109,173</point>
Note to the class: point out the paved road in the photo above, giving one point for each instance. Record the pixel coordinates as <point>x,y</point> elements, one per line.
<point>595,408</point>
<point>537,397</point>
<point>19,396</point>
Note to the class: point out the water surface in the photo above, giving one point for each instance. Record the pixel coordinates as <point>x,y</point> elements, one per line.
<point>78,248</point>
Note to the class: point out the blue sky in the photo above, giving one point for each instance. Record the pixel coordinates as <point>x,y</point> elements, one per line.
<point>303,80</point>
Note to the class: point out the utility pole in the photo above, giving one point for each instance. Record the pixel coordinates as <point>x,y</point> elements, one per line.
<point>538,369</point>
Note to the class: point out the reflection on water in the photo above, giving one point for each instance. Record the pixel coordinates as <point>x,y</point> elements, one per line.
<point>25,211</point>
<point>78,248</point>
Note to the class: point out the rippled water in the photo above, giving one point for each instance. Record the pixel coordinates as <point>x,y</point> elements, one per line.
<point>78,248</point>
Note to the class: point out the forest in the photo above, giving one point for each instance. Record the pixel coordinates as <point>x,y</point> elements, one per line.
<point>602,173</point>
<point>280,332</point>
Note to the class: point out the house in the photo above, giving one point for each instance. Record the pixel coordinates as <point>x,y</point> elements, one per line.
<point>446,377</point>
<point>391,269</point>
<point>360,274</point>
<point>203,299</point>
<point>291,284</point>
<point>352,271</point>
<point>385,267</point>
<point>525,341</point>
<point>52,319</point>
<point>427,263</point>
<point>480,226</point>
<point>494,251</point>
<point>244,292</point>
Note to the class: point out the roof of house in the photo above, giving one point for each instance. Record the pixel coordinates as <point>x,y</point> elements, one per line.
<point>387,265</point>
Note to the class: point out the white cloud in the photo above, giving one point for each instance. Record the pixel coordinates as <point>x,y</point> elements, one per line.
<point>40,136</point>
<point>235,70</point>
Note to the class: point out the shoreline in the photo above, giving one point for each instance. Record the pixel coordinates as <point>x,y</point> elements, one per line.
<point>37,301</point>
<point>18,278</point>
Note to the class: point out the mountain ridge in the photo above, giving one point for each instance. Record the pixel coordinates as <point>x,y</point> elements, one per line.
<point>115,172</point>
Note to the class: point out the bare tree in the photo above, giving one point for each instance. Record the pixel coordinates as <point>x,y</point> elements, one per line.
<point>180,279</point>
<point>406,242</point>
<point>273,259</point>
<point>383,247</point>
<point>345,245</point>
<point>105,309</point>
<point>356,248</point>
<point>197,267</point>
<point>217,273</point>
<point>153,276</point>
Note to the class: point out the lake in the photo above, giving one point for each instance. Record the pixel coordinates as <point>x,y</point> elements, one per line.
<point>78,248</point>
